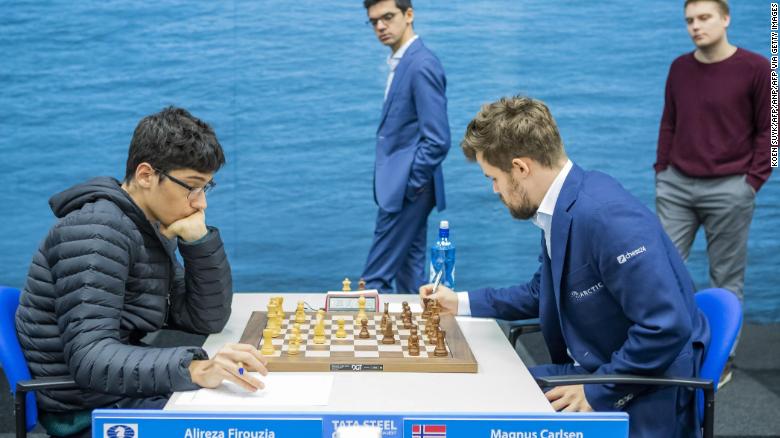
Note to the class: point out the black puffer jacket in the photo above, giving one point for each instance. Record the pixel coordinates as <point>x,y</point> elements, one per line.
<point>102,279</point>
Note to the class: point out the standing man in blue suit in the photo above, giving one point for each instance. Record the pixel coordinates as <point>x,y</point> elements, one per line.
<point>411,142</point>
<point>612,293</point>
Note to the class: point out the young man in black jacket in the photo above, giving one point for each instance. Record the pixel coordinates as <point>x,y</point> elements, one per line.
<point>106,275</point>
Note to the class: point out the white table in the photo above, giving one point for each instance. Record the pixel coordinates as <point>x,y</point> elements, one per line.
<point>502,385</point>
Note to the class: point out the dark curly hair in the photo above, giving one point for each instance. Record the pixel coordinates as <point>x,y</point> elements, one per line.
<point>403,5</point>
<point>174,139</point>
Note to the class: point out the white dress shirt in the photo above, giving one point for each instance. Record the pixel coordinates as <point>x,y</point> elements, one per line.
<point>542,219</point>
<point>393,61</point>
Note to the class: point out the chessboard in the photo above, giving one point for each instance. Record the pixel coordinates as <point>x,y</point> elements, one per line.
<point>351,353</point>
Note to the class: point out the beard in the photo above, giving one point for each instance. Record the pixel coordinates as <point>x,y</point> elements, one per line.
<point>525,210</point>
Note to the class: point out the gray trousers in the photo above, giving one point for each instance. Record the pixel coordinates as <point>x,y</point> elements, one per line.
<point>724,206</point>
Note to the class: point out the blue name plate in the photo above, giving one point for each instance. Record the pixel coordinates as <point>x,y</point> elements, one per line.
<point>116,423</point>
<point>122,423</point>
<point>529,426</point>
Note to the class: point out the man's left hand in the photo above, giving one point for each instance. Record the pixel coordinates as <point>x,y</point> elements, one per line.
<point>570,398</point>
<point>190,228</point>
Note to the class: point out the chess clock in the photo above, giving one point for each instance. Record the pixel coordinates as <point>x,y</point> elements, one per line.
<point>348,301</point>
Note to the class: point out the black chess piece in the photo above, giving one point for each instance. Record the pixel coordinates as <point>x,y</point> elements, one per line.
<point>414,345</point>
<point>388,333</point>
<point>440,350</point>
<point>364,329</point>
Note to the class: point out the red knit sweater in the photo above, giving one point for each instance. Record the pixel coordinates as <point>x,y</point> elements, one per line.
<point>716,118</point>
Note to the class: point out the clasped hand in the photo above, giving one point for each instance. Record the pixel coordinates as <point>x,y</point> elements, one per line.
<point>190,228</point>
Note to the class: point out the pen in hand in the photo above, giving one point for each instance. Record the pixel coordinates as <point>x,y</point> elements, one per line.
<point>437,280</point>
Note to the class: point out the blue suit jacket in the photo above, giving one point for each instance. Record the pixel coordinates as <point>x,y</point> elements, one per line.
<point>615,293</point>
<point>413,136</point>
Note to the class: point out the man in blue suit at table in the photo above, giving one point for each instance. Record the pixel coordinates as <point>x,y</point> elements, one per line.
<point>612,293</point>
<point>411,142</point>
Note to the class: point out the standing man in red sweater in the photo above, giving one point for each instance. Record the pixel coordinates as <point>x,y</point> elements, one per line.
<point>713,145</point>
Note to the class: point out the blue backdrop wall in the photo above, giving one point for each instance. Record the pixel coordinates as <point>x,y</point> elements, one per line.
<point>294,91</point>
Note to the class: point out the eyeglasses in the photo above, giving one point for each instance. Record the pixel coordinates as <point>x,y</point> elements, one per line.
<point>385,19</point>
<point>194,192</point>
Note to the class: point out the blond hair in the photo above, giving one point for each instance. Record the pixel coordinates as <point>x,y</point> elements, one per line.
<point>722,4</point>
<point>513,127</point>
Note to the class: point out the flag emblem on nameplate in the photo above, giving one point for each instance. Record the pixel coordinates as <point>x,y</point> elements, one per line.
<point>429,431</point>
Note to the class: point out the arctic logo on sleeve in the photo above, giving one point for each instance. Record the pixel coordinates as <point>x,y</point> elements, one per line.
<point>622,258</point>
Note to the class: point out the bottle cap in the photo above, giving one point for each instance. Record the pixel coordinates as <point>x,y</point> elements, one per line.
<point>444,225</point>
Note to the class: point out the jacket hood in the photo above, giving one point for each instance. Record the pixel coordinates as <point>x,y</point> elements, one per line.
<point>99,188</point>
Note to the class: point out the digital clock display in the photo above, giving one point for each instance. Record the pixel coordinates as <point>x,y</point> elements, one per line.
<point>350,303</point>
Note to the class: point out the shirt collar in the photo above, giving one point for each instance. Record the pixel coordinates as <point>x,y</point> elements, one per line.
<point>395,58</point>
<point>547,207</point>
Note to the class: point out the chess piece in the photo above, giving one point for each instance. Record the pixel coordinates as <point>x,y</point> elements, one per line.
<point>388,333</point>
<point>414,342</point>
<point>440,350</point>
<point>340,332</point>
<point>413,348</point>
<point>280,309</point>
<point>362,284</point>
<point>294,347</point>
<point>426,308</point>
<point>345,285</point>
<point>361,309</point>
<point>364,329</point>
<point>432,326</point>
<point>435,319</point>
<point>273,307</point>
<point>386,318</point>
<point>406,315</point>
<point>435,308</point>
<point>273,321</point>
<point>429,325</point>
<point>268,343</point>
<point>277,327</point>
<point>319,329</point>
<point>300,313</point>
<point>295,340</point>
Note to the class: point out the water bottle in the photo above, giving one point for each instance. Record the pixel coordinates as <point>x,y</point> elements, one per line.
<point>443,257</point>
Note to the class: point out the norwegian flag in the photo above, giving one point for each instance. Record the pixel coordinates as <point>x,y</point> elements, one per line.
<point>429,431</point>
